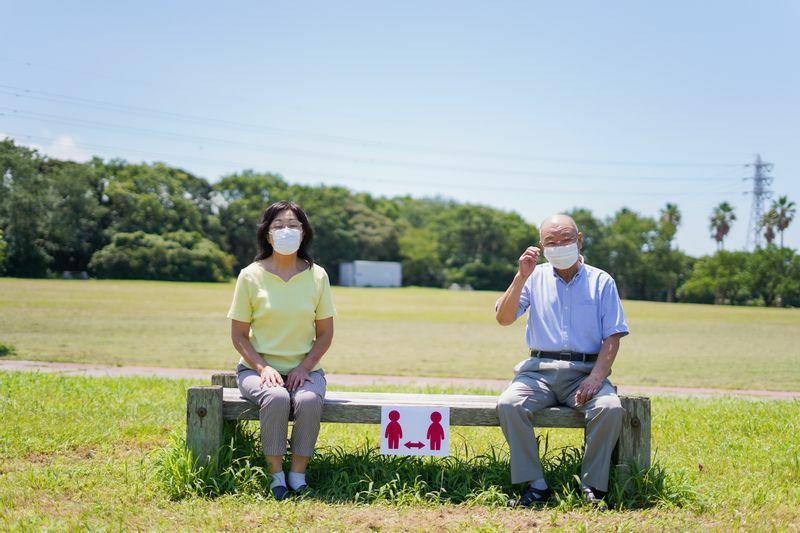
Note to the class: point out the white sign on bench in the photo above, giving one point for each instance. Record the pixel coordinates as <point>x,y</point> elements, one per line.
<point>415,430</point>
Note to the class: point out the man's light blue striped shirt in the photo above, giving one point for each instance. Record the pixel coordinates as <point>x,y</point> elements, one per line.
<point>575,316</point>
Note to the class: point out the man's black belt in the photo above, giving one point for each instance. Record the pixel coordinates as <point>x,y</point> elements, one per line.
<point>566,356</point>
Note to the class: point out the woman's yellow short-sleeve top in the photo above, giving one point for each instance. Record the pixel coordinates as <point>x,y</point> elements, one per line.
<point>282,313</point>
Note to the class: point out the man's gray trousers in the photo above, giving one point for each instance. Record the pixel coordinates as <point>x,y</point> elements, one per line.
<point>541,383</point>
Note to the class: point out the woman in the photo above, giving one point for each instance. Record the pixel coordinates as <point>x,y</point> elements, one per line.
<point>282,324</point>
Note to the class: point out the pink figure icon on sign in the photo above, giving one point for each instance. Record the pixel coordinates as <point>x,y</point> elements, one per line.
<point>435,431</point>
<point>394,432</point>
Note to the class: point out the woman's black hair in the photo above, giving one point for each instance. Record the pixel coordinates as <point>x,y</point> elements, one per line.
<point>265,248</point>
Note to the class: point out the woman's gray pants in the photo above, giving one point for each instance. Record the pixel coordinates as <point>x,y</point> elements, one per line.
<point>275,404</point>
<point>541,383</point>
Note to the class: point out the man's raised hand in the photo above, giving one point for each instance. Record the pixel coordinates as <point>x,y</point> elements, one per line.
<point>528,260</point>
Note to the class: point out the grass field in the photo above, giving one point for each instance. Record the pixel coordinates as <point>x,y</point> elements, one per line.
<point>410,331</point>
<point>81,453</point>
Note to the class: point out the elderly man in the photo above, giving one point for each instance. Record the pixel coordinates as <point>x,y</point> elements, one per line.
<point>575,322</point>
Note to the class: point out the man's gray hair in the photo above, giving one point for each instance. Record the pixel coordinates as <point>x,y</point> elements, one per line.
<point>559,215</point>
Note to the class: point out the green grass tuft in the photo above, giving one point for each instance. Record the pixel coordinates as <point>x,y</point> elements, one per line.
<point>237,468</point>
<point>656,487</point>
<point>361,475</point>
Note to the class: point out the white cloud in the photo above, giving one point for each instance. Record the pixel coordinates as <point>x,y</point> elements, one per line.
<point>65,147</point>
<point>62,147</point>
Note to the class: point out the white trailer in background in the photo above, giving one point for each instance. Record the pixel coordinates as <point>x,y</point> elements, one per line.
<point>371,274</point>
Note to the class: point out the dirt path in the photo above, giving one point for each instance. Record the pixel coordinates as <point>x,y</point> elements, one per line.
<point>77,369</point>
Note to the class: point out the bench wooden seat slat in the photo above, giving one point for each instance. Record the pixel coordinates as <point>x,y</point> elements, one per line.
<point>391,398</point>
<point>365,408</point>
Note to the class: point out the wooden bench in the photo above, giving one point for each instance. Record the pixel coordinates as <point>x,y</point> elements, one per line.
<point>209,409</point>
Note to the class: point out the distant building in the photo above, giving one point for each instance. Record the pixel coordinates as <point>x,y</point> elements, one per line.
<point>73,274</point>
<point>371,274</point>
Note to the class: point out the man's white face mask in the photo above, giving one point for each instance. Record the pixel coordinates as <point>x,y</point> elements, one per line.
<point>562,257</point>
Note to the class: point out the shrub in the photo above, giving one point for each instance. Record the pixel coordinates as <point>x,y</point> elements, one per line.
<point>7,349</point>
<point>177,256</point>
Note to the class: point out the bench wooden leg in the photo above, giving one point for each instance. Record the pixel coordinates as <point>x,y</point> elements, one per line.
<point>633,446</point>
<point>204,422</point>
<point>227,380</point>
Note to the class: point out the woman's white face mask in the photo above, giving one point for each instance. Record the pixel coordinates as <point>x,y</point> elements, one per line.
<point>286,241</point>
<point>562,257</point>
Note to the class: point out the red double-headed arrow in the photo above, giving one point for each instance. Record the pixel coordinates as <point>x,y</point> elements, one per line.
<point>414,445</point>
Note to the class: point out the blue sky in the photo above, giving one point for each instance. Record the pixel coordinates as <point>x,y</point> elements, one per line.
<point>527,106</point>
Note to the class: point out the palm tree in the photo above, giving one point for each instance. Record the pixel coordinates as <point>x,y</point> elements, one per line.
<point>721,219</point>
<point>784,214</point>
<point>670,219</point>
<point>670,262</point>
<point>767,223</point>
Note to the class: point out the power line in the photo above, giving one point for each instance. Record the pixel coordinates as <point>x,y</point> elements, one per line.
<point>434,184</point>
<point>517,189</point>
<point>283,150</point>
<point>24,92</point>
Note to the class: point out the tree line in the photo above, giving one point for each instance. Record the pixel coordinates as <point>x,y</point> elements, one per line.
<point>119,220</point>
